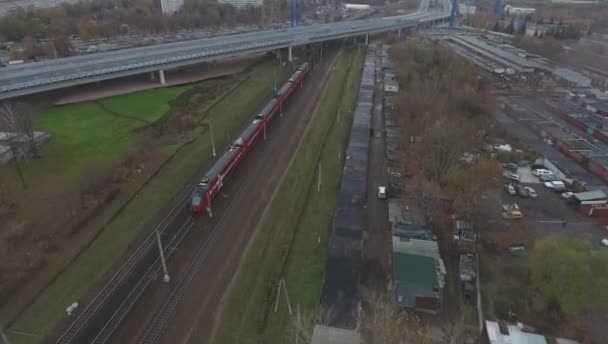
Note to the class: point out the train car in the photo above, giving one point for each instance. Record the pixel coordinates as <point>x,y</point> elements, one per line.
<point>292,84</point>
<point>268,112</point>
<point>213,181</point>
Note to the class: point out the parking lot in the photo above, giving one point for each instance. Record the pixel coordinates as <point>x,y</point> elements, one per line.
<point>544,215</point>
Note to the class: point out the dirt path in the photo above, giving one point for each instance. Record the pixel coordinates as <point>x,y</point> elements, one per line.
<point>252,185</point>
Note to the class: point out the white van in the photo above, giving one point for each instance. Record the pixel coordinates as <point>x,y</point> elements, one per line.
<point>381,192</point>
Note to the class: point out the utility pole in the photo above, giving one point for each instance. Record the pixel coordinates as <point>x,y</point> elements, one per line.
<point>276,301</point>
<point>453,14</point>
<point>209,206</point>
<point>319,182</point>
<point>497,8</point>
<point>4,337</point>
<point>166,277</point>
<point>17,165</point>
<point>212,141</point>
<point>299,324</point>
<point>264,119</point>
<point>287,296</point>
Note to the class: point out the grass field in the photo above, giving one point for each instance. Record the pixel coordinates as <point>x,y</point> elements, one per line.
<point>292,236</point>
<point>150,105</point>
<point>84,133</point>
<point>83,273</point>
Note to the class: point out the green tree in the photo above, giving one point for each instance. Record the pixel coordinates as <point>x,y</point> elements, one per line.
<point>443,148</point>
<point>87,29</point>
<point>568,277</point>
<point>13,28</point>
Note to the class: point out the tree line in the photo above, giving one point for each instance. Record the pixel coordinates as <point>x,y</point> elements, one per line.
<point>109,18</point>
<point>445,111</point>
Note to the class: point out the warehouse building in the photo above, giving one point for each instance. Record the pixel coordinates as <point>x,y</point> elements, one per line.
<point>241,3</point>
<point>171,6</point>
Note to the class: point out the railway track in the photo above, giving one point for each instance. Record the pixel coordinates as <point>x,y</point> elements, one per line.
<point>97,322</point>
<point>146,278</point>
<point>155,330</point>
<point>117,283</point>
<point>104,314</point>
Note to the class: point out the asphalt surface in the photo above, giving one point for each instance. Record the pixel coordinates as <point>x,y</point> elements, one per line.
<point>236,213</point>
<point>29,78</point>
<point>543,215</point>
<point>535,143</point>
<point>377,247</point>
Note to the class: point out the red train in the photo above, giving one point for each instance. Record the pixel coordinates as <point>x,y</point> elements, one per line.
<point>214,179</point>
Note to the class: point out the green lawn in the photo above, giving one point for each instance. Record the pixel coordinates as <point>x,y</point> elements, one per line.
<point>292,237</point>
<point>148,105</point>
<point>83,134</point>
<point>86,271</point>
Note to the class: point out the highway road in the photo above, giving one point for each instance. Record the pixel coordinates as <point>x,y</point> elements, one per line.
<point>7,5</point>
<point>24,79</point>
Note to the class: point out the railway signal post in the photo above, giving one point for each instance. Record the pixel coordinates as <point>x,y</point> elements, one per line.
<point>166,277</point>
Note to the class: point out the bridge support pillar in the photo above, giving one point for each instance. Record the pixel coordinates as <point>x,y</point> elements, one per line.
<point>152,76</point>
<point>398,33</point>
<point>290,54</point>
<point>366,38</point>
<point>161,75</point>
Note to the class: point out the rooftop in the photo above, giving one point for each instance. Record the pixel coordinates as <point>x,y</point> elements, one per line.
<point>594,195</point>
<point>514,335</point>
<point>419,270</point>
<point>332,335</point>
<point>572,76</point>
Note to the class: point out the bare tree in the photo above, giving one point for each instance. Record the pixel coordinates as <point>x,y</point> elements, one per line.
<point>9,119</point>
<point>384,323</point>
<point>18,119</point>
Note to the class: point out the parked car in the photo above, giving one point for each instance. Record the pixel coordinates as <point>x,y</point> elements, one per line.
<point>511,211</point>
<point>510,189</point>
<point>531,192</point>
<point>538,166</point>
<point>567,195</point>
<point>510,166</point>
<point>512,215</point>
<point>604,242</point>
<point>541,171</point>
<point>560,189</point>
<point>555,184</point>
<point>382,192</point>
<point>547,178</point>
<point>522,191</point>
<point>512,176</point>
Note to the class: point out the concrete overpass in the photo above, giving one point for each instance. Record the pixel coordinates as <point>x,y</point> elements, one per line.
<point>30,78</point>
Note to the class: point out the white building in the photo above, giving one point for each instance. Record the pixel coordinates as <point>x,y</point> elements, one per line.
<point>465,9</point>
<point>171,6</point>
<point>511,11</point>
<point>357,6</point>
<point>494,333</point>
<point>241,3</point>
